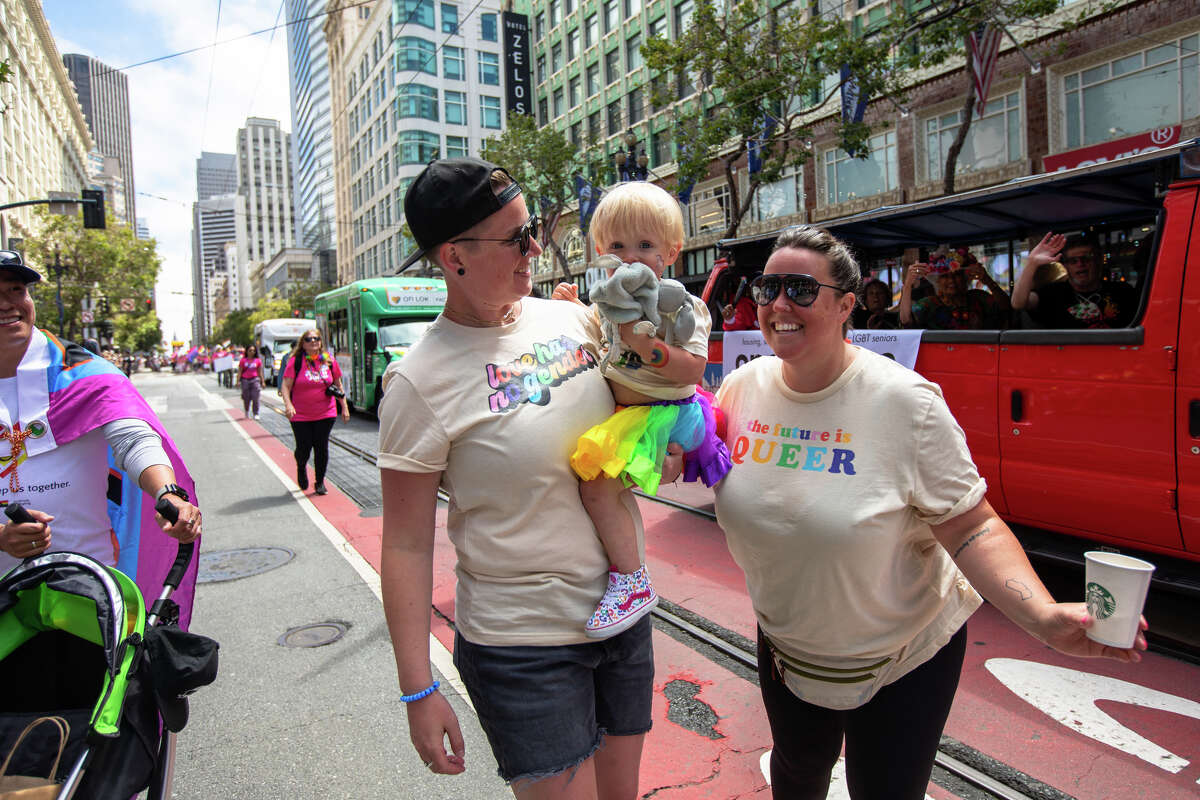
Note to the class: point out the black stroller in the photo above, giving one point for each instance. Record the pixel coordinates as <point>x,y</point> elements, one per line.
<point>76,642</point>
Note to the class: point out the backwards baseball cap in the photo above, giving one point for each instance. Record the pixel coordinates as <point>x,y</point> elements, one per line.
<point>450,196</point>
<point>12,263</point>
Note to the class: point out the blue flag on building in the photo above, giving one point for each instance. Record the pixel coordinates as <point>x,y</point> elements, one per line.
<point>853,106</point>
<point>754,147</point>
<point>588,196</point>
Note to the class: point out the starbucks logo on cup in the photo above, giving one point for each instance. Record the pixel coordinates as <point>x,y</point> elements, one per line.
<point>1101,604</point>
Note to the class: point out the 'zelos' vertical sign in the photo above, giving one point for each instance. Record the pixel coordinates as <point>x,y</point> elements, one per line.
<point>516,62</point>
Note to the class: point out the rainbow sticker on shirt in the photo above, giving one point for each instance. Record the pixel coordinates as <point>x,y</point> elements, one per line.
<point>529,378</point>
<point>793,447</point>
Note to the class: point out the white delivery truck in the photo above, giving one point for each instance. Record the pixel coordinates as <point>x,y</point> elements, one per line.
<point>275,338</point>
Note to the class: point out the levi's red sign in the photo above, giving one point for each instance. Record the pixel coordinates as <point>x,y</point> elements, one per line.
<point>1111,151</point>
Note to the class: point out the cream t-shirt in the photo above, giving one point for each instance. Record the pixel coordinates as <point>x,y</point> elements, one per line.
<point>627,369</point>
<point>498,411</point>
<point>829,505</point>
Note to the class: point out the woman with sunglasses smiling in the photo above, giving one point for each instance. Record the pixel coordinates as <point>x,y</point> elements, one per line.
<point>486,406</point>
<point>860,521</point>
<point>312,390</point>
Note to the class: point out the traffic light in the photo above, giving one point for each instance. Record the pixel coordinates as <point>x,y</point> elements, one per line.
<point>149,303</point>
<point>104,305</point>
<point>93,211</point>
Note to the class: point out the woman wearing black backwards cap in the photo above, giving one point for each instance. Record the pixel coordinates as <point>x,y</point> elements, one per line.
<point>485,406</point>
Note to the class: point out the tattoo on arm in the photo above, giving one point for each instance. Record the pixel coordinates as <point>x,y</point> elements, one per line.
<point>973,537</point>
<point>1014,585</point>
<point>659,356</point>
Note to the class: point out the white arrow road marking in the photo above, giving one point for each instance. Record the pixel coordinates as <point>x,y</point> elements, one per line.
<point>1070,696</point>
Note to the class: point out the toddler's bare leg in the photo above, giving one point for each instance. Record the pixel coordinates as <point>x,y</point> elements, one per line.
<point>614,525</point>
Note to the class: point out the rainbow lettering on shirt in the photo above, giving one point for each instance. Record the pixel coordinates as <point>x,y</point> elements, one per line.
<point>779,446</point>
<point>528,379</point>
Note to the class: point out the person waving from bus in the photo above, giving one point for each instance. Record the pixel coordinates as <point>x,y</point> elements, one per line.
<point>312,391</point>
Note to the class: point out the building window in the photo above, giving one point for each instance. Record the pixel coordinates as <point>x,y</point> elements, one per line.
<point>449,18</point>
<point>576,91</point>
<point>453,65</point>
<point>683,16</point>
<point>568,7</point>
<point>657,28</point>
<point>660,148</point>
<point>612,66</point>
<point>1150,89</point>
<point>612,15</point>
<point>417,101</point>
<point>573,44</point>
<point>591,30</point>
<point>778,199</point>
<point>489,69</point>
<point>710,210</point>
<point>594,127</point>
<point>456,108</point>
<point>557,105</point>
<point>543,111</point>
<point>555,14</point>
<point>417,12</point>
<point>635,106</point>
<point>418,147</point>
<point>633,52</point>
<point>847,178</point>
<point>992,141</point>
<point>539,26</point>
<point>456,147</point>
<point>576,133</point>
<point>488,30</point>
<point>489,111</point>
<point>556,60</point>
<point>593,79</point>
<point>416,55</point>
<point>632,8</point>
<point>614,117</point>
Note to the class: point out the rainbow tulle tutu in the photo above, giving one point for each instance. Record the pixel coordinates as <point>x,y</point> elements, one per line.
<point>632,443</point>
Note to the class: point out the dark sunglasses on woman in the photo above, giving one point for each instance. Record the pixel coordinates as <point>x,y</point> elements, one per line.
<point>311,339</point>
<point>800,289</point>
<point>525,235</point>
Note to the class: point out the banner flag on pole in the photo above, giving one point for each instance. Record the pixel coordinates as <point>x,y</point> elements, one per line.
<point>984,46</point>
<point>853,106</point>
<point>754,147</point>
<point>589,197</point>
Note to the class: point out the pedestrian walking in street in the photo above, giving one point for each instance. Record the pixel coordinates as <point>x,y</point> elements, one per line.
<point>63,412</point>
<point>312,391</point>
<point>486,405</point>
<point>250,374</point>
<point>856,512</point>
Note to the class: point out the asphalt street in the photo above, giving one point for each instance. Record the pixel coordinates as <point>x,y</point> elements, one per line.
<point>280,721</point>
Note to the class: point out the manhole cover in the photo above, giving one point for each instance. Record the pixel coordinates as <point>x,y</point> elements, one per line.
<point>314,635</point>
<point>229,565</point>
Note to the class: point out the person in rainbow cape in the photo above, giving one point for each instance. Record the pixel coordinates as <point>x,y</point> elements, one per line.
<point>85,454</point>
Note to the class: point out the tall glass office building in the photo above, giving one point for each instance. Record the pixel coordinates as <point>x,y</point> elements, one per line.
<point>312,141</point>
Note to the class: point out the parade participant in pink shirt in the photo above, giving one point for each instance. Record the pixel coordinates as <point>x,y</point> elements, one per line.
<point>250,375</point>
<point>312,390</point>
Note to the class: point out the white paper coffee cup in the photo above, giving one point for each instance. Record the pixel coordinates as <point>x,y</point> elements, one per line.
<point>1115,586</point>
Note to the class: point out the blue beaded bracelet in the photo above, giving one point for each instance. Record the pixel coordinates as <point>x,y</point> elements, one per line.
<point>408,698</point>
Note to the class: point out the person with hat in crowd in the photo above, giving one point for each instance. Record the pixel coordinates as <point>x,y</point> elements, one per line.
<point>62,411</point>
<point>954,306</point>
<point>485,406</point>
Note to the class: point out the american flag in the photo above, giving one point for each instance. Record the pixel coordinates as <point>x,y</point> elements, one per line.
<point>984,44</point>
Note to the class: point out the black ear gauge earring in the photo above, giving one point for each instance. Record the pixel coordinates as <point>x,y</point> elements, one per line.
<point>462,271</point>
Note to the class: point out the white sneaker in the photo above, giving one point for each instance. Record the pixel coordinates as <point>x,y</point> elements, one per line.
<point>627,599</point>
<point>256,416</point>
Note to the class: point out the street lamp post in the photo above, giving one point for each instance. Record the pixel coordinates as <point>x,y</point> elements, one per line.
<point>58,271</point>
<point>629,167</point>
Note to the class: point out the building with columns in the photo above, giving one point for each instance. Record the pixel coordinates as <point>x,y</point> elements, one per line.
<point>44,138</point>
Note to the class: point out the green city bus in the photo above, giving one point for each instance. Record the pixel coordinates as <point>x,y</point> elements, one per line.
<point>370,323</point>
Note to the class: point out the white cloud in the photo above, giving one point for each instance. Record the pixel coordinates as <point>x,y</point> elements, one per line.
<point>182,105</point>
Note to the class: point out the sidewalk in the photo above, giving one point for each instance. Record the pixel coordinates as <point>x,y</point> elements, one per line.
<point>320,722</point>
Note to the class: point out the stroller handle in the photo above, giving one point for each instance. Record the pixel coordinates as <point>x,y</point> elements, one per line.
<point>184,555</point>
<point>17,513</point>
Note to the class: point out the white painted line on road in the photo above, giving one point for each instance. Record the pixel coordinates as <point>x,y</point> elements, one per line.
<point>212,402</point>
<point>442,659</point>
<point>157,403</point>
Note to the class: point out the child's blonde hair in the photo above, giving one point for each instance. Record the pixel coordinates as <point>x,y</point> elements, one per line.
<point>637,205</point>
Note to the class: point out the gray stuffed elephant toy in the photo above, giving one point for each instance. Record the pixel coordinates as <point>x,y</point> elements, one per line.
<point>633,293</point>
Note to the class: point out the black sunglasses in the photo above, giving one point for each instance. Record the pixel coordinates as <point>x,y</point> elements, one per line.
<point>524,236</point>
<point>311,339</point>
<point>800,289</point>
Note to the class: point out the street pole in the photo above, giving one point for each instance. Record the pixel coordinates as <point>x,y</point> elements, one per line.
<point>58,271</point>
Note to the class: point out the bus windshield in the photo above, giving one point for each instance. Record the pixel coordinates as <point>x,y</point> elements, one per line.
<point>402,332</point>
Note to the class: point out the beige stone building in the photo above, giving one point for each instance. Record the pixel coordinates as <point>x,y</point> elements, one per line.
<point>44,139</point>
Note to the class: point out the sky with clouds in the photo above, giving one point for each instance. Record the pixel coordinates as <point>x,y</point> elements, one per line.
<point>181,105</point>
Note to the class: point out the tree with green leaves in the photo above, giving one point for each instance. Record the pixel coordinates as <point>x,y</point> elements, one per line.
<point>235,327</point>
<point>141,331</point>
<point>545,163</point>
<point>761,74</point>
<point>110,263</point>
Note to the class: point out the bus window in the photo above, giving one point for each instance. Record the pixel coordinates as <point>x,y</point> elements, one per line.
<point>402,333</point>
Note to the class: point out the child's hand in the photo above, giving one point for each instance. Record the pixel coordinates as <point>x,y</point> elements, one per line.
<point>566,291</point>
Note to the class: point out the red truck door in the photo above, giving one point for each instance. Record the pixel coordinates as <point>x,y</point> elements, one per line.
<point>1187,405</point>
<point>1087,418</point>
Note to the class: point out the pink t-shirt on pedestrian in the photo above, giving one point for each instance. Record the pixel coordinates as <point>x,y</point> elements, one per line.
<point>248,368</point>
<point>308,387</point>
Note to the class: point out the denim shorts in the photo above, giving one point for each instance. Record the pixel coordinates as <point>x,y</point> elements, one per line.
<point>547,709</point>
